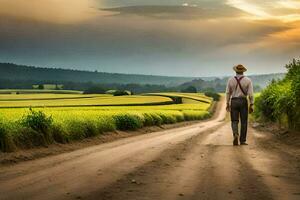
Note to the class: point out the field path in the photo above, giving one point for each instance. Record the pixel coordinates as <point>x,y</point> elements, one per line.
<point>193,162</point>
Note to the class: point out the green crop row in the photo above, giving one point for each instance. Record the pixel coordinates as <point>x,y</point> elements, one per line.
<point>47,96</point>
<point>193,96</point>
<point>93,101</point>
<point>37,91</point>
<point>40,128</point>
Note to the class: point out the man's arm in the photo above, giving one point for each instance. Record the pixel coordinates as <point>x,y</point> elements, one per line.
<point>250,93</point>
<point>228,92</point>
<point>228,95</point>
<point>251,97</point>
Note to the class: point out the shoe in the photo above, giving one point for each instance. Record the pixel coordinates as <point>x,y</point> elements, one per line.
<point>235,141</point>
<point>244,143</point>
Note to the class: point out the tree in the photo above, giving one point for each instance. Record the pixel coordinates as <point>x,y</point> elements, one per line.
<point>41,87</point>
<point>189,89</point>
<point>121,93</point>
<point>95,90</point>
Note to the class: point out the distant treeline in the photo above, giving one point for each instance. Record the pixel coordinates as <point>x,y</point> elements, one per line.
<point>26,73</point>
<point>135,88</point>
<point>23,77</point>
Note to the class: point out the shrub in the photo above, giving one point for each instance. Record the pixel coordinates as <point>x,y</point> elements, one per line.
<point>128,121</point>
<point>149,120</point>
<point>105,124</point>
<point>59,134</point>
<point>280,101</point>
<point>121,93</point>
<point>190,115</point>
<point>167,118</point>
<point>157,120</point>
<point>214,95</point>
<point>6,142</point>
<point>37,127</point>
<point>189,89</point>
<point>76,129</point>
<point>294,75</point>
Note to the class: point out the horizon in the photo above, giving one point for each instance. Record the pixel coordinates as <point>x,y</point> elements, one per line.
<point>191,38</point>
<point>91,71</point>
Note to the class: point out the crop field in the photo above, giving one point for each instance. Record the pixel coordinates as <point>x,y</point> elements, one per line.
<point>78,116</point>
<point>191,96</point>
<point>46,96</point>
<point>85,100</point>
<point>37,91</point>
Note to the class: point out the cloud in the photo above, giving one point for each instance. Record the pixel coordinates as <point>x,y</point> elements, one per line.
<point>54,11</point>
<point>250,8</point>
<point>184,11</point>
<point>168,39</point>
<point>282,10</point>
<point>292,4</point>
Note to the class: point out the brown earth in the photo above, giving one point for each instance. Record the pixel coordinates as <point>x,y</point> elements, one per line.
<point>197,161</point>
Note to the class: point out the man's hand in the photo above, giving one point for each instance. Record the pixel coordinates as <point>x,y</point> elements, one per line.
<point>251,109</point>
<point>228,107</point>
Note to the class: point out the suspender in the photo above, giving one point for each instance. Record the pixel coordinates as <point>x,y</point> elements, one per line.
<point>239,84</point>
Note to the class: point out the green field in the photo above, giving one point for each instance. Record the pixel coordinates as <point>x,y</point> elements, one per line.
<point>191,96</point>
<point>35,91</point>
<point>46,96</point>
<point>85,100</point>
<point>61,118</point>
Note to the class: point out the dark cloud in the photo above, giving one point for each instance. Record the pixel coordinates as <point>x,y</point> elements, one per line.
<point>178,12</point>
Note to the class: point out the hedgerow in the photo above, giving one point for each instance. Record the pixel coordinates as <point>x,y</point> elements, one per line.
<point>280,101</point>
<point>37,128</point>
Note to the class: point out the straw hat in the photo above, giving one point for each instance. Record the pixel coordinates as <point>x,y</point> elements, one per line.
<point>239,68</point>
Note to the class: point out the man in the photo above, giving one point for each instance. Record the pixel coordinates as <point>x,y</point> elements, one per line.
<point>238,89</point>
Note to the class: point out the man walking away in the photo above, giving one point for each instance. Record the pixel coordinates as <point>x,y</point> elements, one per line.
<point>238,89</point>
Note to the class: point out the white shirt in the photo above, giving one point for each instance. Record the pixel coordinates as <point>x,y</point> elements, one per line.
<point>233,90</point>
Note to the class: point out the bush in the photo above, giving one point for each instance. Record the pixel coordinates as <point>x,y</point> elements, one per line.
<point>95,90</point>
<point>280,101</point>
<point>157,120</point>
<point>189,89</point>
<point>190,115</point>
<point>215,96</point>
<point>76,129</point>
<point>149,120</point>
<point>121,93</point>
<point>167,118</point>
<point>105,124</point>
<point>128,121</point>
<point>6,142</point>
<point>37,128</point>
<point>59,134</point>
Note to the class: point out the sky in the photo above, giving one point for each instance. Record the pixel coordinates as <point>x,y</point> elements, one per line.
<point>158,37</point>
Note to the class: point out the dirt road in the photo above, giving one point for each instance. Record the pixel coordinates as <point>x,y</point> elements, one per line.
<point>194,162</point>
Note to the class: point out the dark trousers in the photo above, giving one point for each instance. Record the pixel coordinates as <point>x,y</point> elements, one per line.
<point>239,111</point>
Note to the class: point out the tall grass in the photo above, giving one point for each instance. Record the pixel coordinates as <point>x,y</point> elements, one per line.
<point>91,101</point>
<point>76,118</point>
<point>37,128</point>
<point>280,101</point>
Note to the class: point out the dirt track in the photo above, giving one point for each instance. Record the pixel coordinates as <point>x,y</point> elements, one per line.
<point>194,162</point>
